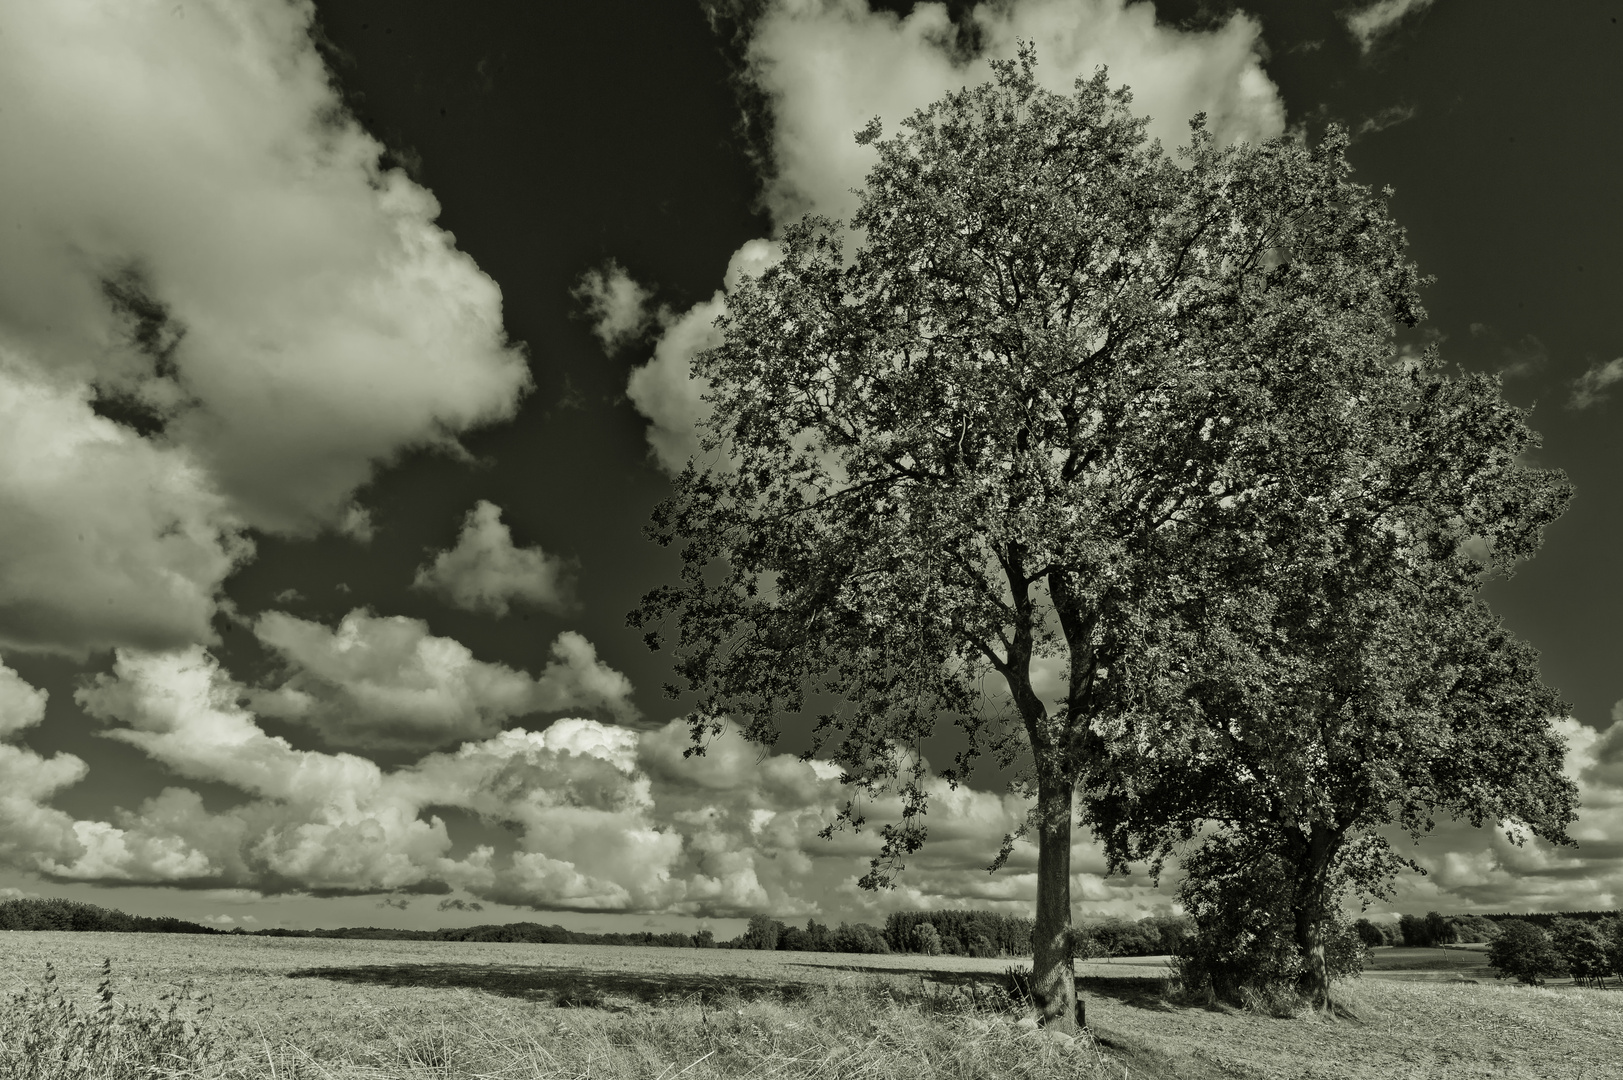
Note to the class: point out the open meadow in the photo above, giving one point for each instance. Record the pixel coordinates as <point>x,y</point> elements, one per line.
<point>310,1008</point>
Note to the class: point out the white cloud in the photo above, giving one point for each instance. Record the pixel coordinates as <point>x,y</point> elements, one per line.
<point>485,572</point>
<point>1594,385</point>
<point>379,682</point>
<point>204,246</point>
<point>105,537</point>
<point>1369,24</point>
<point>1481,870</point>
<point>21,705</point>
<point>664,389</point>
<point>616,304</point>
<point>605,818</point>
<point>1389,117</point>
<point>828,66</point>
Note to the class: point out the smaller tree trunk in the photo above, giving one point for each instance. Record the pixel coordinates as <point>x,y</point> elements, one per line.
<point>1312,911</point>
<point>1310,940</point>
<point>1053,981</point>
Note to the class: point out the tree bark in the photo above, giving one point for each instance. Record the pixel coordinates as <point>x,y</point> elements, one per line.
<point>1310,941</point>
<point>1311,912</point>
<point>1053,982</point>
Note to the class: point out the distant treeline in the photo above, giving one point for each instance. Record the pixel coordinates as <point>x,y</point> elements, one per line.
<point>526,933</point>
<point>953,933</point>
<point>1433,928</point>
<point>71,915</point>
<point>965,933</point>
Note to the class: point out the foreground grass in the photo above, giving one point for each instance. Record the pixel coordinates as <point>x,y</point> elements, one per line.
<point>353,1010</point>
<point>859,1031</point>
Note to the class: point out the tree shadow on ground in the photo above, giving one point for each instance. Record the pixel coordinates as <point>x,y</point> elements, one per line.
<point>1136,991</point>
<point>566,986</point>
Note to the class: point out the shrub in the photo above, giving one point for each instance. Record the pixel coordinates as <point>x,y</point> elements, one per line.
<point>926,940</point>
<point>859,938</point>
<point>1612,933</point>
<point>762,933</point>
<point>1370,934</point>
<point>1582,947</point>
<point>1244,950</point>
<point>1524,952</point>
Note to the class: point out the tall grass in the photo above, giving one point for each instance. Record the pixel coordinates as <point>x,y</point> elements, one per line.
<point>866,1031</point>
<point>46,1036</point>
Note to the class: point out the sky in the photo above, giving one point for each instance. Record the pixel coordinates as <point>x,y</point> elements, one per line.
<point>343,357</point>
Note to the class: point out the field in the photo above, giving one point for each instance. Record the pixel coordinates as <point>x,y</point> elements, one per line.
<point>303,1008</point>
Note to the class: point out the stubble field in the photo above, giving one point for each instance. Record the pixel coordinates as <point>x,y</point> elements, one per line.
<point>290,1008</point>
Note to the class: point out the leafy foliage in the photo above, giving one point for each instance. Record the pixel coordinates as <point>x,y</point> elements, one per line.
<point>1242,898</point>
<point>1583,948</point>
<point>926,940</point>
<point>957,929</point>
<point>56,914</point>
<point>1063,388</point>
<point>1306,682</point>
<point>1525,952</point>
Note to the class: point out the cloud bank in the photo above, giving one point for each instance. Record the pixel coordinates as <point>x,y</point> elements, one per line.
<point>218,312</point>
<point>484,572</point>
<point>827,67</point>
<point>603,818</point>
<point>386,683</point>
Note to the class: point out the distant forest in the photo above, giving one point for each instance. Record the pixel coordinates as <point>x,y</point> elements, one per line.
<point>953,932</point>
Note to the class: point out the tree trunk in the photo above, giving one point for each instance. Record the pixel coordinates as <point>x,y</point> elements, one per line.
<point>1312,910</point>
<point>1053,982</point>
<point>1310,941</point>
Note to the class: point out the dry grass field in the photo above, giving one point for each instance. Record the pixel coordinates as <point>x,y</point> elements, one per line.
<point>300,1008</point>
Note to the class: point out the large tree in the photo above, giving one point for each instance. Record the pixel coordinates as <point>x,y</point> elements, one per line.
<point>1303,684</point>
<point>941,475</point>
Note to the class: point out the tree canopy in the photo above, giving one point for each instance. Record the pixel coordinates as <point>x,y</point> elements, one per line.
<point>967,459</point>
<point>1300,685</point>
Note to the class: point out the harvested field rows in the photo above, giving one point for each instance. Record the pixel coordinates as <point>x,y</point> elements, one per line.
<point>303,1008</point>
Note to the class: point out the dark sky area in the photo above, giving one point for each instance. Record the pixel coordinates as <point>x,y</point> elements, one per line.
<point>236,714</point>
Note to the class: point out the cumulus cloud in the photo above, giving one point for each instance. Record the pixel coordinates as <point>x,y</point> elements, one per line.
<point>386,682</point>
<point>21,705</point>
<point>31,831</point>
<point>664,389</point>
<point>1594,385</point>
<point>827,67</point>
<point>217,312</point>
<point>105,537</point>
<point>485,572</point>
<point>603,818</point>
<point>1481,870</point>
<point>1369,24</point>
<point>616,304</point>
